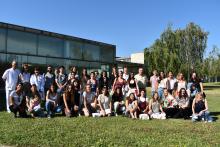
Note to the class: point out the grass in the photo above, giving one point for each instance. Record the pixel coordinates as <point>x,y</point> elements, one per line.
<point>114,131</point>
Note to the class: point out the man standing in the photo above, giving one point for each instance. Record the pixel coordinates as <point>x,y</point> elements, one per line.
<point>11,77</point>
<point>125,74</point>
<point>49,78</point>
<point>141,79</point>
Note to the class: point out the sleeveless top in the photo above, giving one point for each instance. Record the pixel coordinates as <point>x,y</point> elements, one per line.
<point>132,84</point>
<point>155,107</point>
<point>93,86</point>
<point>199,106</point>
<point>119,84</point>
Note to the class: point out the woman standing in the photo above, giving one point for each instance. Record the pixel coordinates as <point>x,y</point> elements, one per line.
<point>119,82</point>
<point>132,85</point>
<point>161,84</point>
<point>93,82</point>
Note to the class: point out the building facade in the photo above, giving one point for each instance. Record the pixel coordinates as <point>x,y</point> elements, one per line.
<point>38,47</point>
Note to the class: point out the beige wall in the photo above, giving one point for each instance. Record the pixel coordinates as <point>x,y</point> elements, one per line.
<point>137,58</point>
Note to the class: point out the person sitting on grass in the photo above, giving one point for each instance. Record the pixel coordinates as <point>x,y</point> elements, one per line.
<point>143,105</point>
<point>69,104</point>
<point>33,102</point>
<point>90,101</point>
<point>118,101</point>
<point>169,104</point>
<point>155,108</point>
<point>183,105</point>
<point>17,101</point>
<point>200,108</point>
<point>131,106</point>
<point>105,102</point>
<point>52,102</point>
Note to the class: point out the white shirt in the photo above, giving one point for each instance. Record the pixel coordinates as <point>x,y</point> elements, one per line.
<point>125,76</point>
<point>11,76</point>
<point>25,77</point>
<point>39,81</point>
<point>162,83</point>
<point>17,99</point>
<point>172,82</point>
<point>105,101</point>
<point>141,80</point>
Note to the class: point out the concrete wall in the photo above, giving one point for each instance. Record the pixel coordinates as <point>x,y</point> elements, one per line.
<point>137,58</point>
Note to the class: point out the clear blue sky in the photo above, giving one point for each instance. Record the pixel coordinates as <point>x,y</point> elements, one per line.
<point>131,25</point>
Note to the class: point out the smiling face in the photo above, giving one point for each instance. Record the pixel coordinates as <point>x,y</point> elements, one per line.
<point>165,92</point>
<point>88,88</point>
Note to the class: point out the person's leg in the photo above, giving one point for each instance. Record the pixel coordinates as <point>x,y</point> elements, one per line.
<point>48,108</point>
<point>7,92</point>
<point>208,118</point>
<point>116,105</point>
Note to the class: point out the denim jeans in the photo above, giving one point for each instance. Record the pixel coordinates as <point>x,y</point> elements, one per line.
<point>51,109</point>
<point>160,92</point>
<point>205,116</point>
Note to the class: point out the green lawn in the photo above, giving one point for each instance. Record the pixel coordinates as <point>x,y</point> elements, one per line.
<point>114,131</point>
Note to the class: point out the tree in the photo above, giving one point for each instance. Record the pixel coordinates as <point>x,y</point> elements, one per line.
<point>179,50</point>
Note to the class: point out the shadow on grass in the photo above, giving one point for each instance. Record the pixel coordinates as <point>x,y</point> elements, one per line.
<point>215,115</point>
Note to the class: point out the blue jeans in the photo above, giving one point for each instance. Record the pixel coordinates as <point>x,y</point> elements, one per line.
<point>205,116</point>
<point>50,108</point>
<point>160,92</point>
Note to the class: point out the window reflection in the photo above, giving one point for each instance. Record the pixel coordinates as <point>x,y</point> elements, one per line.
<point>21,42</point>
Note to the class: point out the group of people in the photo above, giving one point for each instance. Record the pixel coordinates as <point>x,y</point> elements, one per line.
<point>119,93</point>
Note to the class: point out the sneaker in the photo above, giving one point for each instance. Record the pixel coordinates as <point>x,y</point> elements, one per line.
<point>48,116</point>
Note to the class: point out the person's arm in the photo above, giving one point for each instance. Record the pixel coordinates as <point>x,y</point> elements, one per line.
<point>113,86</point>
<point>11,100</point>
<point>5,75</point>
<point>161,109</point>
<point>193,106</point>
<point>85,100</point>
<point>126,104</point>
<point>110,105</point>
<point>206,106</point>
<point>95,101</point>
<point>150,105</point>
<point>65,102</point>
<point>100,104</point>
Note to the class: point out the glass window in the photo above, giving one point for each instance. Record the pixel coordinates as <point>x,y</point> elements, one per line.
<point>36,60</point>
<point>50,46</point>
<point>2,39</point>
<point>73,49</point>
<point>55,61</point>
<point>21,42</point>
<point>107,54</point>
<point>91,52</point>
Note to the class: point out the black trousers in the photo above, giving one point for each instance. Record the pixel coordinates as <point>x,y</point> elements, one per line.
<point>182,113</point>
<point>18,109</point>
<point>171,112</point>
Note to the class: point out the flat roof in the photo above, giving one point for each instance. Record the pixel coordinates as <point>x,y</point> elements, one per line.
<point>52,34</point>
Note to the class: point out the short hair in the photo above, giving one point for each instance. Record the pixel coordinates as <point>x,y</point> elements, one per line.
<point>62,67</point>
